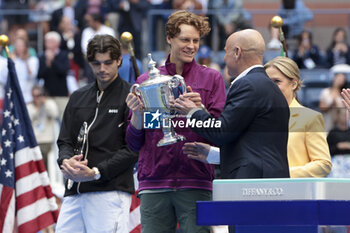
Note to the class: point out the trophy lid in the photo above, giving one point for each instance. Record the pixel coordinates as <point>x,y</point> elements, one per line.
<point>153,71</point>
<point>155,78</point>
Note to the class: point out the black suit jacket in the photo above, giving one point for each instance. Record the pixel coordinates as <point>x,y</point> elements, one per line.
<point>254,129</point>
<point>55,77</point>
<point>56,17</point>
<point>131,18</point>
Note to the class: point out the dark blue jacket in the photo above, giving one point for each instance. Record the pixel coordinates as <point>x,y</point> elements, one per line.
<point>254,132</point>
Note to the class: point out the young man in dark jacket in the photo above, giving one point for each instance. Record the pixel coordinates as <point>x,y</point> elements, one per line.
<point>100,175</point>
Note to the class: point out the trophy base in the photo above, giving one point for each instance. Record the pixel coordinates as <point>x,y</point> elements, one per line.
<point>174,138</point>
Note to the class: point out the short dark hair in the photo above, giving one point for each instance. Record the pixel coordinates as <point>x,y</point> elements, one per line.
<point>97,17</point>
<point>103,44</point>
<point>43,91</point>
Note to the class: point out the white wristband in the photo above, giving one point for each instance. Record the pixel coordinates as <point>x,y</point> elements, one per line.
<point>97,173</point>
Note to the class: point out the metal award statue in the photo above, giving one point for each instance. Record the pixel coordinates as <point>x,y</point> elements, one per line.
<point>277,22</point>
<point>156,94</point>
<point>126,38</point>
<point>4,40</point>
<point>81,141</point>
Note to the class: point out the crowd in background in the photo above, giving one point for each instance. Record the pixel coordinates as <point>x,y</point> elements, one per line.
<point>48,77</point>
<point>60,68</point>
<point>68,25</point>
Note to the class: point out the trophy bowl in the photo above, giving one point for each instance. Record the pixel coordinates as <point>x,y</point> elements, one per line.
<point>157,93</point>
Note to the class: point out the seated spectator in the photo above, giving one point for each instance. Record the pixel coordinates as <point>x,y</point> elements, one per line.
<point>205,59</point>
<point>43,113</point>
<point>53,69</point>
<point>26,67</point>
<point>46,8</point>
<point>338,52</point>
<point>331,100</point>
<point>96,27</point>
<point>187,5</point>
<point>339,145</point>
<point>126,71</point>
<point>70,41</point>
<point>307,55</point>
<point>132,14</point>
<point>339,137</point>
<point>94,7</point>
<point>83,7</point>
<point>20,33</point>
<point>294,14</point>
<point>66,11</point>
<point>232,18</point>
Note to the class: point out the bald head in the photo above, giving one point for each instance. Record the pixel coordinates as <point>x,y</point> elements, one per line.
<point>251,42</point>
<point>244,49</point>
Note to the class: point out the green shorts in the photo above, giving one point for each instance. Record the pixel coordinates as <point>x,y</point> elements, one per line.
<point>161,211</point>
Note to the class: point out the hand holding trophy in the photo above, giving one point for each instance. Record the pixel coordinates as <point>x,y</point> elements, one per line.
<point>81,141</point>
<point>156,93</point>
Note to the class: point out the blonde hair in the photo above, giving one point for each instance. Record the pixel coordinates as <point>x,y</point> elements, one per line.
<point>288,68</point>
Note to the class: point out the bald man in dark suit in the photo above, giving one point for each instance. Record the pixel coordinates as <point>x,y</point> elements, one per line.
<point>254,124</point>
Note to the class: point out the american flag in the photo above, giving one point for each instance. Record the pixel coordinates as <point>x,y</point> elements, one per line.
<point>26,199</point>
<point>135,217</point>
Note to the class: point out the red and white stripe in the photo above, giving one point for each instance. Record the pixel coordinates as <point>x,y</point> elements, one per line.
<point>7,203</point>
<point>135,216</point>
<point>36,205</point>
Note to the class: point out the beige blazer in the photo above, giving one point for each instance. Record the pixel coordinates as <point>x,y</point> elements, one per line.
<point>308,151</point>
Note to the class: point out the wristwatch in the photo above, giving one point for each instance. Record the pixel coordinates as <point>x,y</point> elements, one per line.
<point>97,173</point>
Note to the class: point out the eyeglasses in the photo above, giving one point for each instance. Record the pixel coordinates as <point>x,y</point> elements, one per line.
<point>99,63</point>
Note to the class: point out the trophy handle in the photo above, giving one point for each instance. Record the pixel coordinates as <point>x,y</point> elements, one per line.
<point>177,85</point>
<point>135,89</point>
<point>182,84</point>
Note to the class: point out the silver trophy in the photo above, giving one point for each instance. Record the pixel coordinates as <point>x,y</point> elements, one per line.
<point>156,94</point>
<point>81,141</point>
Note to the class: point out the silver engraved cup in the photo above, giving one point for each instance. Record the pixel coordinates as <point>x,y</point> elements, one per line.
<point>157,93</point>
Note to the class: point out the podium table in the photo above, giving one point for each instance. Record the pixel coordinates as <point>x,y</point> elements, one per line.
<point>277,205</point>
